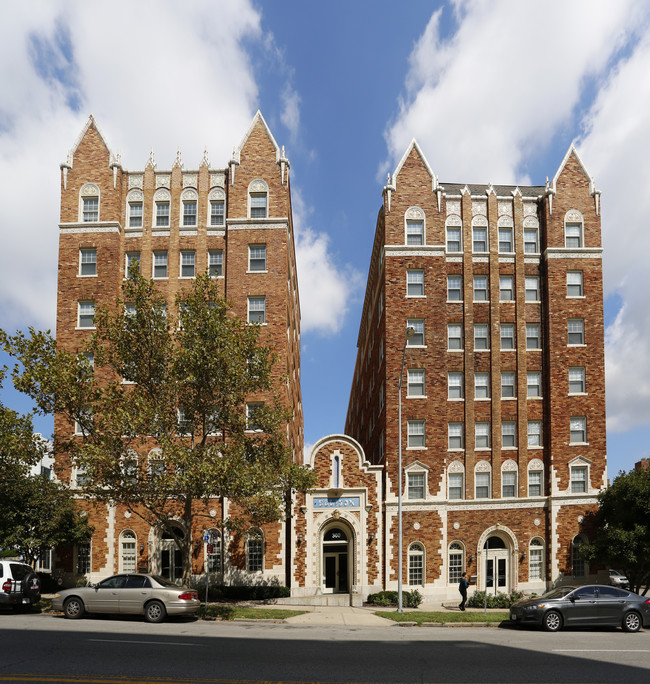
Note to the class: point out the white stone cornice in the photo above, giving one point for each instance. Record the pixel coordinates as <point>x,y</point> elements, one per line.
<point>258,224</point>
<point>414,250</point>
<point>564,253</point>
<point>98,227</point>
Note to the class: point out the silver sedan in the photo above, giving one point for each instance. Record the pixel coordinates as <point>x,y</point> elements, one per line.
<point>148,595</point>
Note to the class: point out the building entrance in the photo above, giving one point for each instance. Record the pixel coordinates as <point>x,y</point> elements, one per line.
<point>335,561</point>
<point>170,559</point>
<point>497,576</point>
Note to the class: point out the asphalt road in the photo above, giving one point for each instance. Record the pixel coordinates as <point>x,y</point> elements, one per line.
<point>106,650</point>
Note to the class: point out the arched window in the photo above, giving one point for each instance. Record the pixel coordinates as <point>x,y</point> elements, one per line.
<point>258,199</point>
<point>536,559</point>
<point>456,562</point>
<point>573,230</point>
<point>483,480</point>
<point>415,226</point>
<point>456,480</point>
<point>535,478</point>
<point>509,478</point>
<point>531,235</point>
<point>161,202</point>
<point>128,553</point>
<point>416,564</point>
<point>213,550</point>
<point>134,210</point>
<point>217,208</point>
<point>454,228</point>
<point>480,241</point>
<point>578,564</point>
<point>189,208</point>
<point>89,203</point>
<point>156,463</point>
<point>255,550</point>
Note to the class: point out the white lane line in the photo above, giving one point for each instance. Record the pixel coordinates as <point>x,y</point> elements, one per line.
<point>131,641</point>
<point>600,650</point>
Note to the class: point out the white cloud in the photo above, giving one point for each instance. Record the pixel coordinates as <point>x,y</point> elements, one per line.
<point>291,113</point>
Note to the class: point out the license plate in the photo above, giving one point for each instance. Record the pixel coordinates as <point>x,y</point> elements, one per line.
<point>513,617</point>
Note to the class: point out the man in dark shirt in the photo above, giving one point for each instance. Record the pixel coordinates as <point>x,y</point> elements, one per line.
<point>462,587</point>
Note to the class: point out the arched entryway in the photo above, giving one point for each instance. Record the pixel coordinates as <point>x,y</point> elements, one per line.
<point>497,556</point>
<point>336,559</point>
<point>170,558</point>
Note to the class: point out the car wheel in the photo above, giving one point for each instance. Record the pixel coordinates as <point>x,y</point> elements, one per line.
<point>552,621</point>
<point>154,612</point>
<point>631,622</point>
<point>73,608</point>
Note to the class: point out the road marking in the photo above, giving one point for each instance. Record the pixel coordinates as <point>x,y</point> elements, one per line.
<point>131,641</point>
<point>600,650</point>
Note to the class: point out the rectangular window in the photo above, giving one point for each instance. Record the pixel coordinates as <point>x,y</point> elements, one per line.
<point>414,233</point>
<point>416,566</point>
<point>508,484</point>
<point>482,485</point>
<point>189,212</point>
<point>578,430</point>
<point>456,486</point>
<point>577,382</point>
<point>453,239</point>
<point>578,479</point>
<point>505,240</point>
<point>480,288</point>
<point>532,336</point>
<point>415,437</point>
<point>83,559</point>
<point>90,209</point>
<point>531,241</point>
<point>259,205</point>
<point>576,329</point>
<point>86,317</point>
<point>482,435</point>
<point>507,384</point>
<point>415,384</point>
<point>188,264</point>
<point>88,261</point>
<point>135,214</point>
<point>257,309</point>
<point>415,485</point>
<point>534,483</point>
<point>160,264</point>
<point>418,336</point>
<point>415,282</point>
<point>482,386</point>
<point>255,555</point>
<point>257,257</point>
<point>533,384</point>
<point>454,288</point>
<point>455,565</point>
<point>534,433</point>
<point>132,259</point>
<point>573,235</point>
<point>454,385</point>
<point>479,239</point>
<point>454,336</point>
<point>536,565</point>
<point>217,213</point>
<point>507,336</point>
<point>162,214</point>
<point>506,289</point>
<point>532,289</point>
<point>455,436</point>
<point>215,263</point>
<point>508,434</point>
<point>574,286</point>
<point>252,415</point>
<point>481,340</point>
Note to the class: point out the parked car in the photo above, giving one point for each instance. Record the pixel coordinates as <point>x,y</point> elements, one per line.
<point>618,579</point>
<point>592,604</point>
<point>21,587</point>
<point>148,595</point>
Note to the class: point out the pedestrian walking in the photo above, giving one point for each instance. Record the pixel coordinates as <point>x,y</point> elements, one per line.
<point>462,587</point>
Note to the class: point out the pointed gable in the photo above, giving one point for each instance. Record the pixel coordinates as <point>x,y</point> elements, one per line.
<point>258,142</point>
<point>575,172</point>
<point>414,156</point>
<point>92,136</point>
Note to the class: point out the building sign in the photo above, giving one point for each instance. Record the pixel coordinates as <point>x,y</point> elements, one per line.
<point>341,502</point>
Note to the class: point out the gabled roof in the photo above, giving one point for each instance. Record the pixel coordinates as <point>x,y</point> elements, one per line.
<point>572,151</point>
<point>91,121</point>
<point>414,146</point>
<point>258,118</point>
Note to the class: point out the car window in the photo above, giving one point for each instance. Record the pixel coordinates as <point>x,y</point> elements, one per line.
<point>116,582</point>
<point>558,593</point>
<point>165,582</point>
<point>137,582</point>
<point>584,593</point>
<point>20,571</point>
<point>611,592</point>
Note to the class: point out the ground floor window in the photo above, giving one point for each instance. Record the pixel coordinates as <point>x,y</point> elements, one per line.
<point>577,561</point>
<point>416,564</point>
<point>455,563</point>
<point>128,557</point>
<point>83,559</point>
<point>44,561</point>
<point>536,560</point>
<point>255,551</point>
<point>213,550</point>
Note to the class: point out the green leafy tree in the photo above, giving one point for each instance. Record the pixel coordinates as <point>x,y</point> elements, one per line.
<point>178,385</point>
<point>622,524</point>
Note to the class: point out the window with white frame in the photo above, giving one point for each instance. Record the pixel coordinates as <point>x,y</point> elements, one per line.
<point>454,288</point>
<point>257,257</point>
<point>416,564</point>
<point>507,384</point>
<point>506,289</point>
<point>454,239</point>
<point>252,415</point>
<point>417,340</point>
<point>482,485</point>
<point>215,263</point>
<point>576,331</point>
<point>480,288</point>
<point>578,565</point>
<point>257,310</point>
<point>132,259</point>
<point>89,203</point>
<point>456,562</point>
<point>213,550</point>
<point>415,434</point>
<point>534,433</point>
<point>160,264</point>
<point>81,478</point>
<point>88,261</point>
<point>533,338</point>
<point>508,484</point>
<point>135,210</point>
<point>535,482</point>
<point>574,284</point>
<point>416,485</point>
<point>481,385</point>
<point>185,423</point>
<point>156,464</point>
<point>508,434</point>
<point>505,239</point>
<point>573,235</point>
<point>189,209</point>
<point>578,430</point>
<point>456,438</point>
<point>415,282</point>
<point>161,204</point>
<point>414,232</point>
<point>579,475</point>
<point>456,484</point>
<point>536,560</point>
<point>217,212</point>
<point>83,559</point>
<point>259,205</point>
<point>255,550</point>
<point>188,263</point>
<point>455,385</point>
<point>533,384</point>
<point>507,336</point>
<point>454,336</point>
<point>479,239</point>
<point>86,314</point>
<point>415,383</point>
<point>577,381</point>
<point>531,241</point>
<point>482,434</point>
<point>481,339</point>
<point>532,289</point>
<point>128,554</point>
<point>129,468</point>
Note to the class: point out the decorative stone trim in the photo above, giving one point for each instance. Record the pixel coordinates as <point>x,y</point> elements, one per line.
<point>530,209</point>
<point>479,208</point>
<point>217,194</point>
<point>163,180</point>
<point>99,227</point>
<point>483,467</point>
<point>505,209</point>
<point>453,220</point>
<point>135,181</point>
<point>414,213</point>
<point>190,180</point>
<point>453,207</point>
<point>218,179</point>
<point>415,250</point>
<point>563,253</point>
<point>509,466</point>
<point>531,221</point>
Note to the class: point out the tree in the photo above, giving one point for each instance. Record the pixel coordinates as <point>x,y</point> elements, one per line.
<point>163,413</point>
<point>622,524</point>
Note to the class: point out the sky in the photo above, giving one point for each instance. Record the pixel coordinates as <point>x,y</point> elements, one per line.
<point>493,92</point>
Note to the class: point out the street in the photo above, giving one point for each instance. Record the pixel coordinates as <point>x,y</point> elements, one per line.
<point>47,648</point>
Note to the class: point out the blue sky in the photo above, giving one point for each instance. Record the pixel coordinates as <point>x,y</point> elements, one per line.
<point>493,92</point>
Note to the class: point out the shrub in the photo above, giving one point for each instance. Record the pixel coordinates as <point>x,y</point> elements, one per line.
<point>499,600</point>
<point>411,599</point>
<point>243,593</point>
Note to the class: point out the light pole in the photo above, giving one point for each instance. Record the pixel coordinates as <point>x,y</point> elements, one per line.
<point>410,331</point>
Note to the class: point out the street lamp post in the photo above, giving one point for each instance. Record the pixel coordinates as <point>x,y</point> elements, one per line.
<point>410,331</point>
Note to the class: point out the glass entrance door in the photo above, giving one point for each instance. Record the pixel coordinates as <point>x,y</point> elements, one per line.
<point>335,562</point>
<point>497,556</point>
<point>171,559</point>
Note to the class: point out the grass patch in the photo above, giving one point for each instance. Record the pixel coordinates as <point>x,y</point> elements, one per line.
<point>226,612</point>
<point>443,616</point>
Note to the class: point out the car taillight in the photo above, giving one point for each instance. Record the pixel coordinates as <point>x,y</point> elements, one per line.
<point>647,602</point>
<point>188,596</point>
<point>6,586</point>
